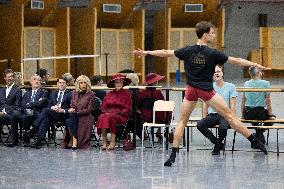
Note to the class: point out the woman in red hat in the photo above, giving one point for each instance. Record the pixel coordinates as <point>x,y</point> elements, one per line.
<point>146,99</point>
<point>115,109</point>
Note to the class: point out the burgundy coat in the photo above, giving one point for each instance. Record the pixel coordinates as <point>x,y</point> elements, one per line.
<point>116,107</point>
<point>83,104</point>
<point>146,113</point>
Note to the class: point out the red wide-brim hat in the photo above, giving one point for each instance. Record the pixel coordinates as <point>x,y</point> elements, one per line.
<point>152,78</point>
<point>115,77</point>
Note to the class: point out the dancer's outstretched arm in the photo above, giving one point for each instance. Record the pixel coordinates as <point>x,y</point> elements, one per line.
<point>244,62</point>
<point>159,53</point>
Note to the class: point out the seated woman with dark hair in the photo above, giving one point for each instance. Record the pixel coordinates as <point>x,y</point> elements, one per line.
<point>146,99</point>
<point>80,121</point>
<point>115,109</point>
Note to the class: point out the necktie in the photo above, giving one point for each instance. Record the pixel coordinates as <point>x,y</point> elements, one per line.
<point>33,96</point>
<point>59,99</point>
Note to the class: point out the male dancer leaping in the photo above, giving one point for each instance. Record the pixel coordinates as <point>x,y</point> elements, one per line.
<point>199,64</point>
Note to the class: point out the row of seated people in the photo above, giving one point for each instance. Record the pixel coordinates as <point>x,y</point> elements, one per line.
<point>118,102</point>
<point>35,111</point>
<point>255,106</point>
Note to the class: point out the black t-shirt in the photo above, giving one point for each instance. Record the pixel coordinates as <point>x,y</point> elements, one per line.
<point>199,64</point>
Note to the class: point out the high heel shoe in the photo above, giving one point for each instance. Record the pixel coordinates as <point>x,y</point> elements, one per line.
<point>110,148</point>
<point>74,148</point>
<point>67,147</point>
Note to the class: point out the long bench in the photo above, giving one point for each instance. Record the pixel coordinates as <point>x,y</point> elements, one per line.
<point>193,121</point>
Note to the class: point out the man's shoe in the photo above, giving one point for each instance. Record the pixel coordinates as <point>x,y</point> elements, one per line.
<point>12,144</point>
<point>217,148</point>
<point>37,144</point>
<point>27,144</point>
<point>30,133</point>
<point>27,137</point>
<point>171,160</point>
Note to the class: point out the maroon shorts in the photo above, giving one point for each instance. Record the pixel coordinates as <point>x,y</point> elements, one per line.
<point>192,94</point>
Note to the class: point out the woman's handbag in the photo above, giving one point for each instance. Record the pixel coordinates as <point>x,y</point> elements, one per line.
<point>127,143</point>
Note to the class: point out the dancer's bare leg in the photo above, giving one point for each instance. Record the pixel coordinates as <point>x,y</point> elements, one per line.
<point>218,103</point>
<point>186,109</point>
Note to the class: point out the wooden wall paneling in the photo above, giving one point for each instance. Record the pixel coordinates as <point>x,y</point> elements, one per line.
<point>125,49</point>
<point>62,24</point>
<point>160,38</point>
<point>96,60</point>
<point>11,36</point>
<point>189,36</point>
<point>31,50</point>
<point>35,17</point>
<point>121,20</point>
<point>117,52</point>
<point>264,44</point>
<point>82,36</point>
<point>98,51</point>
<point>181,19</point>
<point>48,49</point>
<point>221,29</point>
<point>168,25</point>
<point>277,47</point>
<point>175,44</point>
<point>109,45</point>
<point>139,38</point>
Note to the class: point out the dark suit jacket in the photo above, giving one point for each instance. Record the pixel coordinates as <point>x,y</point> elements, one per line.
<point>12,103</point>
<point>66,100</point>
<point>37,105</point>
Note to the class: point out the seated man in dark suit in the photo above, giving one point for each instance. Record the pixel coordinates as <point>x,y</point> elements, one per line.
<point>10,101</point>
<point>32,104</point>
<point>57,111</point>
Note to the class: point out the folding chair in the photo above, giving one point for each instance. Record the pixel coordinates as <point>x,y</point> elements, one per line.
<point>159,106</point>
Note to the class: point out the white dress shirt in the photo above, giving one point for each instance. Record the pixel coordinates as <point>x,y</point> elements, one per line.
<point>8,89</point>
<point>60,100</point>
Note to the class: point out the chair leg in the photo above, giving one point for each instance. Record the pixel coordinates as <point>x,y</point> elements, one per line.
<point>187,136</point>
<point>184,137</point>
<point>277,143</point>
<point>234,139</point>
<point>152,135</point>
<point>143,135</point>
<point>163,131</point>
<point>191,134</point>
<point>167,138</point>
<point>267,136</point>
<point>224,148</point>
